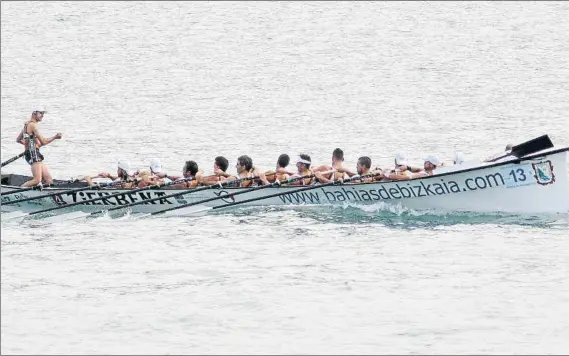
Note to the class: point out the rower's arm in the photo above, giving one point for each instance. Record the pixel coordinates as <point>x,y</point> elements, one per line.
<point>281,170</point>
<point>320,177</point>
<point>321,168</point>
<point>346,171</point>
<point>414,169</point>
<point>395,176</point>
<point>261,176</point>
<point>107,175</point>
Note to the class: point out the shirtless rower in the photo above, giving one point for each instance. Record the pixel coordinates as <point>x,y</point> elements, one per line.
<point>280,173</point>
<point>337,161</point>
<point>220,165</point>
<point>125,173</point>
<point>245,169</point>
<point>303,166</point>
<point>402,166</point>
<point>363,167</point>
<point>431,163</point>
<point>189,170</point>
<point>157,174</point>
<point>31,138</point>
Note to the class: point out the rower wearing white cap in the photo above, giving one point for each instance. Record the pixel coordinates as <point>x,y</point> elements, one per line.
<point>303,165</point>
<point>431,163</point>
<point>125,173</point>
<point>31,138</point>
<point>156,170</point>
<point>402,166</point>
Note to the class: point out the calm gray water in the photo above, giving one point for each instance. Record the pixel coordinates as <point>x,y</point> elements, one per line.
<point>183,80</point>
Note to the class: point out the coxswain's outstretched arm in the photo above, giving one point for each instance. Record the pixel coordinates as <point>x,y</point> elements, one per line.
<point>44,141</point>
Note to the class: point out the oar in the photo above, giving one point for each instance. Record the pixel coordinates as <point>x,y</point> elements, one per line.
<point>277,183</point>
<point>338,181</point>
<point>40,187</point>
<point>537,144</point>
<point>79,214</point>
<point>13,159</point>
<point>154,186</point>
<point>75,190</point>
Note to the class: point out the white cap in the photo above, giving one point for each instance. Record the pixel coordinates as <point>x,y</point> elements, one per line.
<point>458,158</point>
<point>400,159</point>
<point>123,164</point>
<point>433,159</point>
<point>155,165</point>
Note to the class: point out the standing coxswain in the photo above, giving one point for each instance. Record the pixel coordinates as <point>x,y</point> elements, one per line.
<point>31,138</point>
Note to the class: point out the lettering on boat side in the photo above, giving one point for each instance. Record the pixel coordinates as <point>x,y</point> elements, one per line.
<point>123,199</point>
<point>510,177</point>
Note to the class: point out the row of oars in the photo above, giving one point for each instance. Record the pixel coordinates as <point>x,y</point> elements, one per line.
<point>183,209</point>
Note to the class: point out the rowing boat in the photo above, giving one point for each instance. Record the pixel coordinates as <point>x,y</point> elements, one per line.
<point>536,183</point>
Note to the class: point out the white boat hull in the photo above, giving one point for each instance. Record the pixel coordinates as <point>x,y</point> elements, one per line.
<point>535,184</point>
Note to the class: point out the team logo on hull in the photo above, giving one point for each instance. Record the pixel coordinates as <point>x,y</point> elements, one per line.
<point>229,199</point>
<point>544,172</point>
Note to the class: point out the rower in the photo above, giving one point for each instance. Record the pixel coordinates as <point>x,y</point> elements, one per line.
<point>220,165</point>
<point>156,172</point>
<point>245,169</point>
<point>402,166</point>
<point>124,173</point>
<point>303,166</point>
<point>280,173</point>
<point>363,167</point>
<point>337,160</point>
<point>189,170</point>
<point>431,163</point>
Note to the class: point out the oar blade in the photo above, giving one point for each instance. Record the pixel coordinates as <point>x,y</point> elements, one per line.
<point>532,146</point>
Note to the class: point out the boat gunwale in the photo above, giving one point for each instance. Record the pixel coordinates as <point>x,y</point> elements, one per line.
<point>471,169</point>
